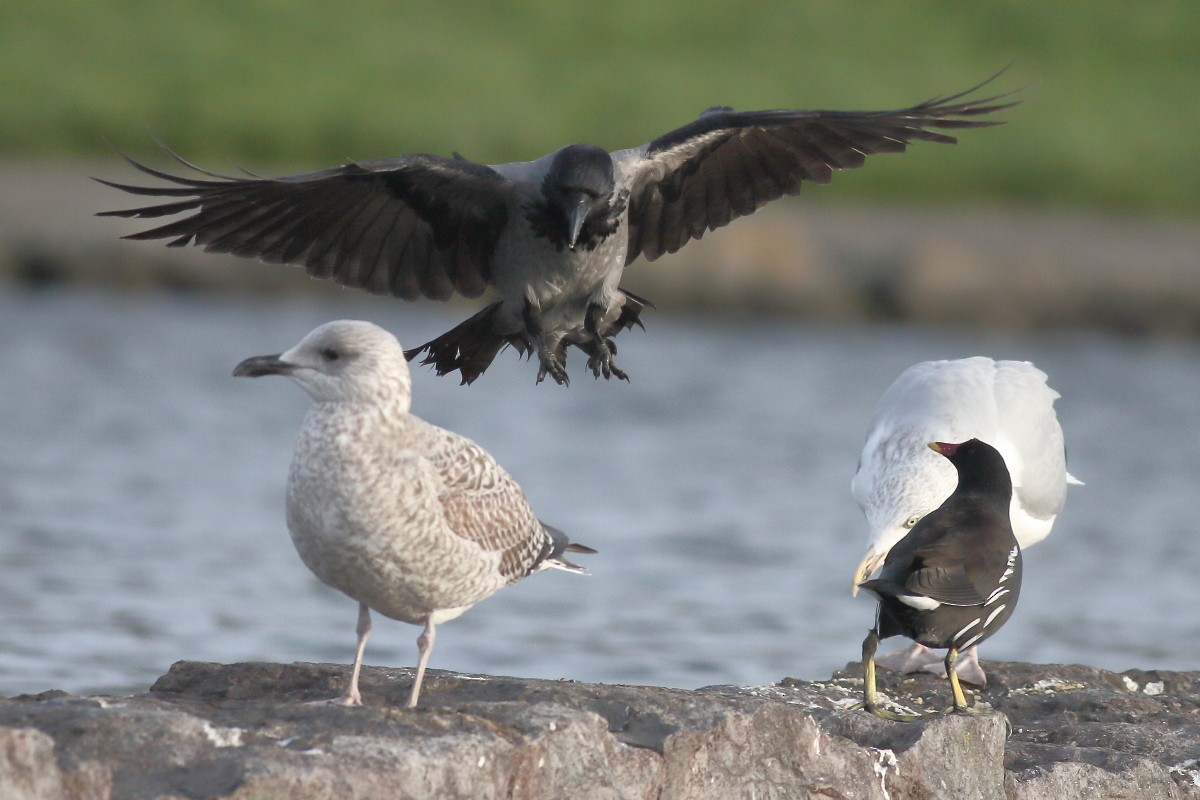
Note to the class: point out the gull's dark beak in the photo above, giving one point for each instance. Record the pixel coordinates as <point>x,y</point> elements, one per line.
<point>257,366</point>
<point>579,215</point>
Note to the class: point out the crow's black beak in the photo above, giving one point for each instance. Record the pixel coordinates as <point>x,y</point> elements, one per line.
<point>579,215</point>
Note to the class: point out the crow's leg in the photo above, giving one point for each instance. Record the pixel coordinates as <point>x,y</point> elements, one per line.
<point>600,350</point>
<point>549,358</point>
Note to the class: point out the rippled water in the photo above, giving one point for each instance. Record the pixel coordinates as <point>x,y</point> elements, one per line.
<point>141,497</point>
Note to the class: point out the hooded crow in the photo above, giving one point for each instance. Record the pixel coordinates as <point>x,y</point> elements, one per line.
<point>551,236</point>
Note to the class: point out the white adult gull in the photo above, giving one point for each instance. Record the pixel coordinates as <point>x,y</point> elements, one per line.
<point>899,480</point>
<point>552,236</point>
<point>413,521</point>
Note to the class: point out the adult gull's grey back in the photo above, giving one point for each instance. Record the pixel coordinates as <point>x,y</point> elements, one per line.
<point>409,519</point>
<point>552,235</point>
<point>1004,403</point>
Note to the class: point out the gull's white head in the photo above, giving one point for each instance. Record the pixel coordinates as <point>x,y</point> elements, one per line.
<point>897,484</point>
<point>343,361</point>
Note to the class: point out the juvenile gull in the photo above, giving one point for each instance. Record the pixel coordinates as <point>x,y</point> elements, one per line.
<point>413,521</point>
<point>552,236</point>
<point>899,481</point>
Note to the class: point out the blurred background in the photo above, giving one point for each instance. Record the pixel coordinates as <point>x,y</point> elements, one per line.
<point>141,487</point>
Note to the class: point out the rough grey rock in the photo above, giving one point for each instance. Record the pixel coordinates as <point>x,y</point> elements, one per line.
<point>1083,732</point>
<point>254,731</point>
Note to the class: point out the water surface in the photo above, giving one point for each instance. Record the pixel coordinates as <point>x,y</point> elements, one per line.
<point>141,493</point>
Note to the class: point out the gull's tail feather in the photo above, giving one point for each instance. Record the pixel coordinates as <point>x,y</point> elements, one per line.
<point>558,545</point>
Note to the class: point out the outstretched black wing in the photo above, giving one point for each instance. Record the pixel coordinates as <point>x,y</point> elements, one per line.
<point>728,164</point>
<point>411,226</point>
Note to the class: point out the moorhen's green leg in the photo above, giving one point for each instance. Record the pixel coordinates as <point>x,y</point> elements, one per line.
<point>870,695</point>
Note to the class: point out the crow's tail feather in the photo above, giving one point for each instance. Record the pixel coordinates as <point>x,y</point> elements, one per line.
<point>468,347</point>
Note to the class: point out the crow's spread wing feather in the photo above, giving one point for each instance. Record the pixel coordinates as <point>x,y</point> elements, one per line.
<point>728,164</point>
<point>412,226</point>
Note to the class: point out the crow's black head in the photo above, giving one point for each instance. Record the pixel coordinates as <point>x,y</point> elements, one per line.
<point>579,208</point>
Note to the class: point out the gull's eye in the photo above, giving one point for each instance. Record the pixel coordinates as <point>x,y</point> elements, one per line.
<point>329,354</point>
<point>913,520</point>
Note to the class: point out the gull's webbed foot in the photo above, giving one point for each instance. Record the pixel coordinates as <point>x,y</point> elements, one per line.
<point>918,658</point>
<point>349,700</point>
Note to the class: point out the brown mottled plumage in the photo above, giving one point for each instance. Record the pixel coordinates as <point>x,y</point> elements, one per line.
<point>409,519</point>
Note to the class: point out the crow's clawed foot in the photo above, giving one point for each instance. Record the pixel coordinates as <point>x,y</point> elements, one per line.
<point>552,366</point>
<point>607,368</point>
<point>600,362</point>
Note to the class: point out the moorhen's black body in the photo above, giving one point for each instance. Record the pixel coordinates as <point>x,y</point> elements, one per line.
<point>954,580</point>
